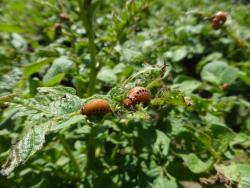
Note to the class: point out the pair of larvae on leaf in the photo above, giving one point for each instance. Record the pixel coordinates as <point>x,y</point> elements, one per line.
<point>101,106</point>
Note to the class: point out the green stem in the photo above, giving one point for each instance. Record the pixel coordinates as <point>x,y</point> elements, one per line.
<point>93,70</point>
<point>44,3</point>
<point>114,152</point>
<point>70,154</point>
<point>240,42</point>
<point>86,13</point>
<point>91,149</point>
<point>8,97</point>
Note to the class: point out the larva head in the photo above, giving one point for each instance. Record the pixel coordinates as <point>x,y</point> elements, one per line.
<point>128,102</point>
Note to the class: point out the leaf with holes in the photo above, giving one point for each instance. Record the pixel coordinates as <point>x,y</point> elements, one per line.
<point>52,109</point>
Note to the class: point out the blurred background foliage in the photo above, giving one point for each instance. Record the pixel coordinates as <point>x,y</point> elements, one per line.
<point>45,53</point>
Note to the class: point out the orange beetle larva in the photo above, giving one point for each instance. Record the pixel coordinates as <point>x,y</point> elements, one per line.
<point>64,17</point>
<point>96,107</point>
<point>136,95</point>
<point>219,19</point>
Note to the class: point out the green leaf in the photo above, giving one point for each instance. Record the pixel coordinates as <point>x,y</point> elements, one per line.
<point>173,97</point>
<point>161,144</point>
<point>31,68</point>
<point>221,137</point>
<point>187,86</point>
<point>52,109</point>
<point>179,54</point>
<point>239,173</point>
<point>245,77</point>
<point>107,75</point>
<point>131,54</point>
<point>59,67</point>
<point>47,53</point>
<point>218,72</point>
<point>59,90</point>
<point>8,81</point>
<point>163,182</point>
<point>4,27</point>
<point>31,142</point>
<point>67,123</point>
<point>195,164</point>
<point>210,119</point>
<point>18,41</point>
<point>56,79</point>
<point>241,139</point>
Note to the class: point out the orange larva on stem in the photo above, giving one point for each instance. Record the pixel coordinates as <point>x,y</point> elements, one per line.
<point>96,107</point>
<point>64,17</point>
<point>219,19</point>
<point>136,95</point>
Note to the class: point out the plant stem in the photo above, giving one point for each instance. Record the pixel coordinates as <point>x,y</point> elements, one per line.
<point>240,42</point>
<point>91,149</point>
<point>86,13</point>
<point>70,154</point>
<point>93,71</point>
<point>8,97</point>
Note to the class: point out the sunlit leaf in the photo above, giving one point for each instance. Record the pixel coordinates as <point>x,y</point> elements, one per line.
<point>195,164</point>
<point>219,72</point>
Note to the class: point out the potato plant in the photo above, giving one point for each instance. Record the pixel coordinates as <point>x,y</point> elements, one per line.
<point>191,57</point>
